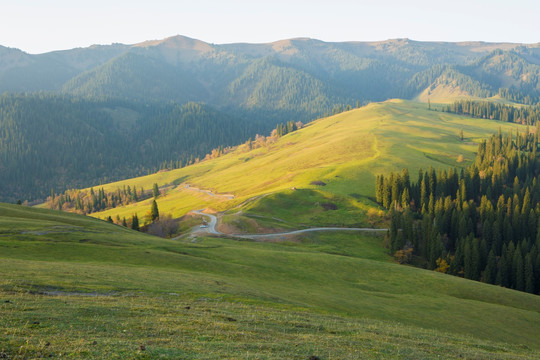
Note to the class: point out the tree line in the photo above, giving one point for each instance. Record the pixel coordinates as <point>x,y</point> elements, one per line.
<point>529,97</point>
<point>481,223</point>
<point>526,115</point>
<point>87,202</point>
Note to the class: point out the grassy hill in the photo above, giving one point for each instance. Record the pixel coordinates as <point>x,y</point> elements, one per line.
<point>79,287</point>
<point>345,152</point>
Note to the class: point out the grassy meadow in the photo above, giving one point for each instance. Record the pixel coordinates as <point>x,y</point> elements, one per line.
<point>345,152</point>
<point>77,287</point>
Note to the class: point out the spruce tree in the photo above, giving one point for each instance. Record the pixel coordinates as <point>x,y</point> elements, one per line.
<point>502,273</point>
<point>396,190</point>
<point>529,274</point>
<point>379,189</point>
<point>475,258</point>
<point>468,259</point>
<point>386,193</point>
<point>405,199</point>
<point>519,282</point>
<point>154,212</point>
<point>135,222</point>
<point>423,194</point>
<point>490,272</point>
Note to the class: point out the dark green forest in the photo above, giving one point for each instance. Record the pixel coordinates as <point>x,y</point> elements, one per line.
<point>60,142</point>
<point>526,115</point>
<point>481,223</point>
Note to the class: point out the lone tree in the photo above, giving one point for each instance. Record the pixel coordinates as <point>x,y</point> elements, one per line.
<point>154,212</point>
<point>155,190</point>
<point>135,222</point>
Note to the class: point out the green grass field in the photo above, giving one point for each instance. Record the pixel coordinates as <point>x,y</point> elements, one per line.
<point>77,287</point>
<point>345,151</point>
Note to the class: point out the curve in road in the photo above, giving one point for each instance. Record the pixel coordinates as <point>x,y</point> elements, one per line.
<point>211,229</point>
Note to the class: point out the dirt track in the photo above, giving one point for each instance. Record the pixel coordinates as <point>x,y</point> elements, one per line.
<point>211,229</point>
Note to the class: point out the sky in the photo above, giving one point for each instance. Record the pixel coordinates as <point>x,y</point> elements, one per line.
<point>38,26</point>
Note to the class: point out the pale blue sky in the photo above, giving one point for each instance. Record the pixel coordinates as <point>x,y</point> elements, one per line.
<point>37,26</point>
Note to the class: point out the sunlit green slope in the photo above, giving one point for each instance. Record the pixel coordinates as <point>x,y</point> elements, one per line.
<point>345,151</point>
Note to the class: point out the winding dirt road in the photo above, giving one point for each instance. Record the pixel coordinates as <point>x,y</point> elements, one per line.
<point>211,229</point>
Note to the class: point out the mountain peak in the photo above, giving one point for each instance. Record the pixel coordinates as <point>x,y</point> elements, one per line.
<point>177,42</point>
<point>178,48</point>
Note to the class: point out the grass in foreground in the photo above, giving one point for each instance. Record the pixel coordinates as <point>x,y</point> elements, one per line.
<point>197,326</point>
<point>74,280</point>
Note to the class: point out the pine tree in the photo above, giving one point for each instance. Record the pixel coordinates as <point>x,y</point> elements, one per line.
<point>435,251</point>
<point>154,212</point>
<point>502,272</point>
<point>529,274</point>
<point>423,193</point>
<point>468,260</point>
<point>135,222</point>
<point>456,266</point>
<point>475,258</point>
<point>396,190</point>
<point>431,204</point>
<point>379,188</point>
<point>155,190</point>
<point>387,193</point>
<point>394,230</point>
<point>519,283</point>
<point>490,273</point>
<point>405,199</point>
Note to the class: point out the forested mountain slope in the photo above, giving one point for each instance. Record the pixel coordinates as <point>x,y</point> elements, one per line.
<point>57,142</point>
<point>184,69</point>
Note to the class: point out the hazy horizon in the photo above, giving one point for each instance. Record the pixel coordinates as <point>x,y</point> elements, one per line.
<point>37,27</point>
<point>271,41</point>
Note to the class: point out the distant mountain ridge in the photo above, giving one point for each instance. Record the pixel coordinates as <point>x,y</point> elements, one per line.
<point>310,75</point>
